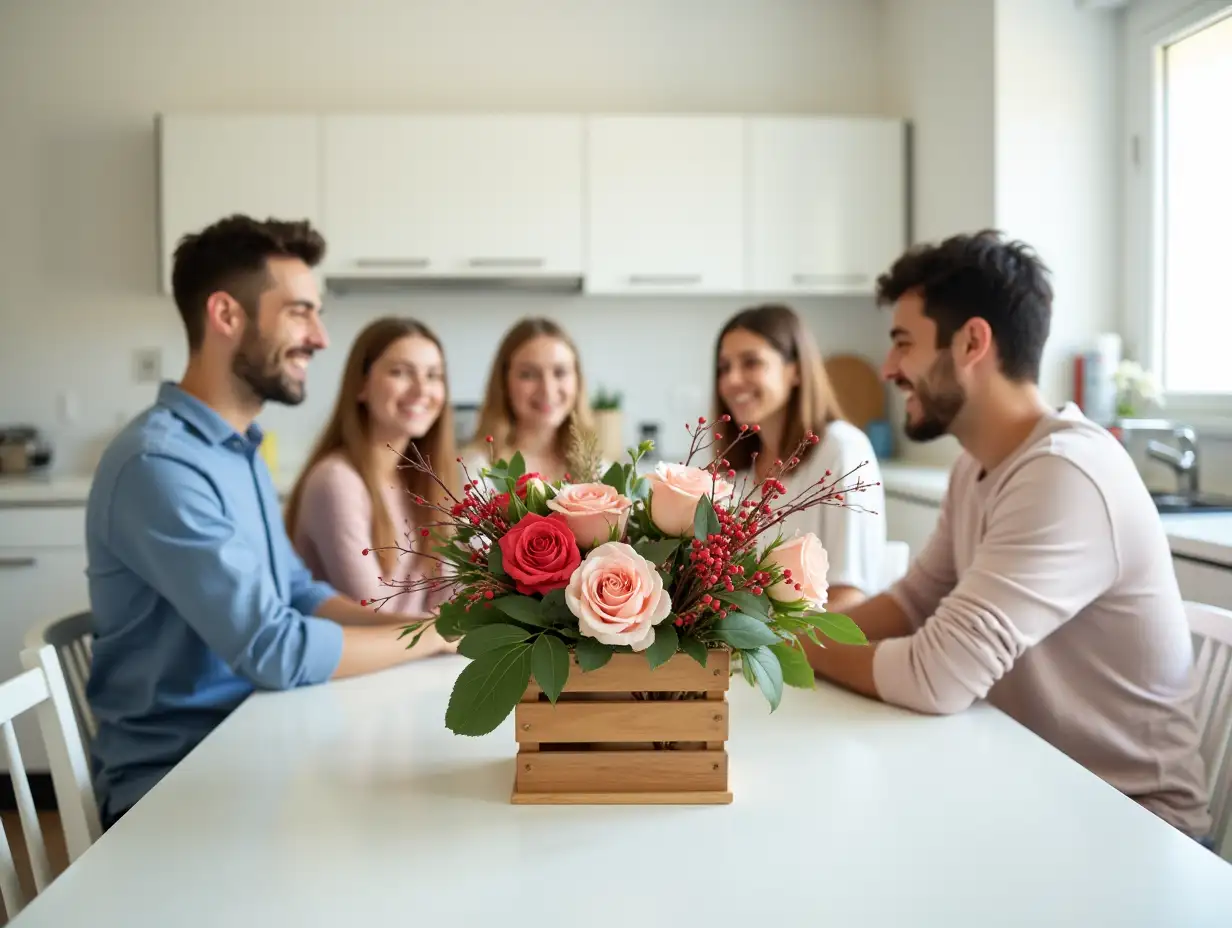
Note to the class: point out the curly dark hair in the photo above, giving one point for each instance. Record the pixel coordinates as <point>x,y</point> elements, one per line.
<point>980,275</point>
<point>231,255</point>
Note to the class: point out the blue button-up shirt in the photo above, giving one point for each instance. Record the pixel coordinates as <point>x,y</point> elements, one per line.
<point>197,595</point>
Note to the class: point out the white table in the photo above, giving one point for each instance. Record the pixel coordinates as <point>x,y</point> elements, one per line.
<point>350,803</point>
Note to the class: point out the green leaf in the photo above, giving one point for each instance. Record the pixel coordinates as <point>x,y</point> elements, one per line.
<point>765,666</point>
<point>837,627</point>
<point>549,661</point>
<point>522,609</point>
<point>592,654</point>
<point>743,631</point>
<point>615,478</point>
<point>487,690</point>
<point>756,606</point>
<point>517,508</point>
<point>411,629</point>
<point>517,467</point>
<point>657,551</point>
<point>796,669</point>
<point>705,519</point>
<point>487,637</point>
<point>449,621</point>
<point>694,648</point>
<point>495,562</point>
<point>664,645</point>
<point>746,669</point>
<point>554,609</point>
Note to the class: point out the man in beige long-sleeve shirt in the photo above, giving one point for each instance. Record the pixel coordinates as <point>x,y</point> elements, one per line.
<point>1047,588</point>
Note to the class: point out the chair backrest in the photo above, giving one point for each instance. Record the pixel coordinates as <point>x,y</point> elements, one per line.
<point>894,563</point>
<point>41,687</point>
<point>73,638</point>
<point>1211,627</point>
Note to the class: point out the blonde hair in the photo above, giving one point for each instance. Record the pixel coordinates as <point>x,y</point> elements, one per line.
<point>812,404</point>
<point>496,414</point>
<point>348,432</point>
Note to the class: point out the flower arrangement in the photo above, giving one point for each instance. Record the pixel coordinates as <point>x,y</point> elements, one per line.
<point>544,574</point>
<point>1135,388</point>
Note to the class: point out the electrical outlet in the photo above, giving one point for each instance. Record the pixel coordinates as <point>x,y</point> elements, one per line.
<point>148,365</point>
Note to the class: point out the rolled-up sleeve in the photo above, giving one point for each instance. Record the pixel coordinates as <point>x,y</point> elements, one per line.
<point>182,541</point>
<point>1048,552</point>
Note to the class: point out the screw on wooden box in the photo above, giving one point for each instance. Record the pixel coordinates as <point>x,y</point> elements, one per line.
<point>626,734</point>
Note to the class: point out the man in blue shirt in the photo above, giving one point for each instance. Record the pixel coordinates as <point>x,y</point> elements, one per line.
<point>197,595</point>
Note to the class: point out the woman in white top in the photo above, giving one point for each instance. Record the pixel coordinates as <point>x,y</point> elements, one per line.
<point>535,392</point>
<point>768,372</point>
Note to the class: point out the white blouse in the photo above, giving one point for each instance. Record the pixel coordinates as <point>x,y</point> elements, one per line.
<point>854,539</point>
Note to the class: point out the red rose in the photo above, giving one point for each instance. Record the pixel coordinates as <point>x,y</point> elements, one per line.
<point>520,486</point>
<point>540,554</point>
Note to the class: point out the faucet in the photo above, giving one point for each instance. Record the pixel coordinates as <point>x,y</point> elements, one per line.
<point>1183,459</point>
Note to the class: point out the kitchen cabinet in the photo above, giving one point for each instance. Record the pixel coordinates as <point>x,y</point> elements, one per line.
<point>213,165</point>
<point>910,519</point>
<point>666,204</point>
<point>42,575</point>
<point>453,195</point>
<point>827,202</point>
<point>1203,583</point>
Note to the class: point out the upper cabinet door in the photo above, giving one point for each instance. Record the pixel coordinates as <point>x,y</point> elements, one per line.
<point>211,166</point>
<point>666,204</point>
<point>828,202</point>
<point>456,195</point>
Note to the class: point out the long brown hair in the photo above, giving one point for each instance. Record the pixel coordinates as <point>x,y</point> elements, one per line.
<point>496,414</point>
<point>811,406</point>
<point>348,432</point>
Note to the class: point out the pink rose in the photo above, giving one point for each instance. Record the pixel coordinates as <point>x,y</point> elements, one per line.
<point>618,597</point>
<point>591,510</point>
<point>674,493</point>
<point>805,564</point>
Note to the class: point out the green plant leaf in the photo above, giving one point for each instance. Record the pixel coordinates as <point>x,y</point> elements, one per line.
<point>746,669</point>
<point>664,645</point>
<point>797,671</point>
<point>554,609</point>
<point>657,551</point>
<point>487,637</point>
<point>756,606</point>
<point>705,520</point>
<point>487,689</point>
<point>837,627</point>
<point>743,631</point>
<point>517,467</point>
<point>769,674</point>
<point>449,621</point>
<point>592,654</point>
<point>495,562</point>
<point>549,662</point>
<point>522,609</point>
<point>694,648</point>
<point>615,478</point>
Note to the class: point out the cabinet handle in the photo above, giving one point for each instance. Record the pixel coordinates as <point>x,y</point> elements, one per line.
<point>15,562</point>
<point>507,262</point>
<point>665,278</point>
<point>391,262</point>
<point>829,279</point>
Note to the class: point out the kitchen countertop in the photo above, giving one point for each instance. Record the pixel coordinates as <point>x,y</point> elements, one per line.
<point>26,490</point>
<point>1205,536</point>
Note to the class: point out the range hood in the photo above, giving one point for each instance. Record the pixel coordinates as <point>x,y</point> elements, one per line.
<point>475,274</point>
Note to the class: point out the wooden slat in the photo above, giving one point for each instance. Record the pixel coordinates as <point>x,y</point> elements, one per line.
<point>622,771</point>
<point>574,722</point>
<point>632,673</point>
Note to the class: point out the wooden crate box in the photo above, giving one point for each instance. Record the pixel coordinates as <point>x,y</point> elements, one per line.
<point>627,734</point>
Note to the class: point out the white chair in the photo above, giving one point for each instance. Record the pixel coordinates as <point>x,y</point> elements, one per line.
<point>73,638</point>
<point>1211,627</point>
<point>41,686</point>
<point>894,563</point>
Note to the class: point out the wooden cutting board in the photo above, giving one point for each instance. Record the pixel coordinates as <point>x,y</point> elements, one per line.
<point>858,387</point>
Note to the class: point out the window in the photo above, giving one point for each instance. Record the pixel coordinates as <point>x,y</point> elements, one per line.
<point>1194,234</point>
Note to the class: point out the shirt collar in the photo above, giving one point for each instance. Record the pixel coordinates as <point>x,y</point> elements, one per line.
<point>213,427</point>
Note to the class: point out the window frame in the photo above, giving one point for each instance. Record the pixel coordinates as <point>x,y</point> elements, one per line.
<point>1150,26</point>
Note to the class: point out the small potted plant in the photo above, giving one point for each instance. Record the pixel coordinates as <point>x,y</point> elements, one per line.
<point>609,423</point>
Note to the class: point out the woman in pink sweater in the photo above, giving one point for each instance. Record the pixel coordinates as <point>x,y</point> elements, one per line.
<point>353,494</point>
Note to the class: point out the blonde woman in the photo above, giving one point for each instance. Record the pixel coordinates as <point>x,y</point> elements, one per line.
<point>352,494</point>
<point>535,391</point>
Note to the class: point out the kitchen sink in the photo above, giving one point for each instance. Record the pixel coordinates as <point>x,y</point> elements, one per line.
<point>1200,502</point>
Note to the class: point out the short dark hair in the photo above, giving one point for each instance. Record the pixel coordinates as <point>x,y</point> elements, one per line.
<point>980,275</point>
<point>231,255</point>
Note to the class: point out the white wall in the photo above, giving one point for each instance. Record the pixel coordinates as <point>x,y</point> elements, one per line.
<point>78,254</point>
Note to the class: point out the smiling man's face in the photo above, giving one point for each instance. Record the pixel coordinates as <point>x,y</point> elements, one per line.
<point>925,373</point>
